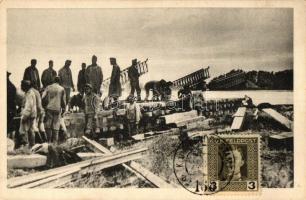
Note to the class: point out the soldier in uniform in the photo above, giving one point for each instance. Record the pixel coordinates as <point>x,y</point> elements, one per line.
<point>54,98</point>
<point>66,81</point>
<point>94,76</point>
<point>82,79</point>
<point>48,75</point>
<point>11,105</point>
<point>28,114</point>
<point>92,107</point>
<point>133,115</point>
<point>115,85</point>
<point>31,74</point>
<point>134,79</point>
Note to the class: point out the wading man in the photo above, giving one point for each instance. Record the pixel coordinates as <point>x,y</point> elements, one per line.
<point>55,100</point>
<point>48,75</point>
<point>66,81</point>
<point>94,76</point>
<point>134,80</point>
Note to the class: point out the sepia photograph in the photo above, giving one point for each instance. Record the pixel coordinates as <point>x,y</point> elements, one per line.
<point>195,99</point>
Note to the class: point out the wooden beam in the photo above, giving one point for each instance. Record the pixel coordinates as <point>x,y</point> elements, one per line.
<point>280,118</point>
<point>155,180</point>
<point>175,117</point>
<point>239,118</point>
<point>37,160</point>
<point>86,166</point>
<point>137,169</point>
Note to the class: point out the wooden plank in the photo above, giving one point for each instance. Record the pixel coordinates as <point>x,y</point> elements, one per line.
<point>37,160</point>
<point>155,180</point>
<point>238,118</point>
<point>89,165</point>
<point>137,169</point>
<point>278,117</point>
<point>26,161</point>
<point>175,117</point>
<point>97,146</point>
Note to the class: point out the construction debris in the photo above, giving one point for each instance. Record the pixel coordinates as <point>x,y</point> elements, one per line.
<point>278,117</point>
<point>238,119</point>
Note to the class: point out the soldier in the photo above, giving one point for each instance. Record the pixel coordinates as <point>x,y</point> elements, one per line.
<point>134,79</point>
<point>184,95</point>
<point>11,104</point>
<point>38,125</point>
<point>31,74</point>
<point>133,116</point>
<point>115,85</point>
<point>48,75</point>
<point>28,114</point>
<point>92,105</point>
<point>66,81</point>
<point>94,76</point>
<point>82,79</point>
<point>160,89</point>
<point>54,97</point>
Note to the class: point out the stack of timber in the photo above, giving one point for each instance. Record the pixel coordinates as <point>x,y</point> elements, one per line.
<point>62,175</point>
<point>134,167</point>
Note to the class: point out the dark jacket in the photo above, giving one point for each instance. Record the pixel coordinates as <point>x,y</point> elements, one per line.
<point>81,80</point>
<point>31,74</point>
<point>115,85</point>
<point>47,77</point>
<point>66,77</point>
<point>133,73</point>
<point>94,76</point>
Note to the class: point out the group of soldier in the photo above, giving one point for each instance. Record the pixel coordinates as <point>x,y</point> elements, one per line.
<point>43,107</point>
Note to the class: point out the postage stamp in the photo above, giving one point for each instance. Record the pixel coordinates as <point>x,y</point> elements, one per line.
<point>232,163</point>
<point>219,163</point>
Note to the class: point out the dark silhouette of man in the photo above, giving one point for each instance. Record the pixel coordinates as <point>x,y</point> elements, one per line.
<point>31,74</point>
<point>94,76</point>
<point>134,80</point>
<point>115,85</point>
<point>82,79</point>
<point>66,81</point>
<point>48,75</point>
<point>11,103</point>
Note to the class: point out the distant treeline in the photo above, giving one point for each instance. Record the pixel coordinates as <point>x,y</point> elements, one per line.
<point>282,80</point>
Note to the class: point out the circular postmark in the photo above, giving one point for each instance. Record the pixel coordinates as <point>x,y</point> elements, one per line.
<point>199,170</point>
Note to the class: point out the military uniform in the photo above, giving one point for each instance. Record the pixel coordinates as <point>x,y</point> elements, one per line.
<point>134,79</point>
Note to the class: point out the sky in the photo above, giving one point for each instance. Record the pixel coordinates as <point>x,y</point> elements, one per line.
<point>177,41</point>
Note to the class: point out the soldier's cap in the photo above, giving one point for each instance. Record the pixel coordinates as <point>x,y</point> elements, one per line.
<point>94,56</point>
<point>88,86</point>
<point>134,61</point>
<point>8,73</point>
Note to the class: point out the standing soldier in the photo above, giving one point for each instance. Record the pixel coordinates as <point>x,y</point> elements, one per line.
<point>134,79</point>
<point>11,104</point>
<point>38,125</point>
<point>31,74</point>
<point>133,115</point>
<point>114,91</point>
<point>94,76</point>
<point>55,101</point>
<point>66,81</point>
<point>82,79</point>
<point>48,75</point>
<point>28,114</point>
<point>92,102</point>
